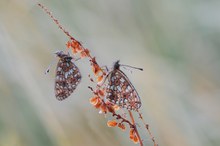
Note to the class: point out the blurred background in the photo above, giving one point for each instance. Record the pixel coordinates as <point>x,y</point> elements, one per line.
<point>177,42</point>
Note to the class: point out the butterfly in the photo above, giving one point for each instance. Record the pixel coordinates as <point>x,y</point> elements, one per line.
<point>120,90</point>
<point>67,76</point>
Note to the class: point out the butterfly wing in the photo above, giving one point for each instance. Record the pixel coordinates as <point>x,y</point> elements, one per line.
<point>67,79</point>
<point>120,91</point>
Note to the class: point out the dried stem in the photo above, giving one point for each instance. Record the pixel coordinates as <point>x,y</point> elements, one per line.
<point>135,127</point>
<point>148,128</point>
<point>123,119</point>
<point>55,20</point>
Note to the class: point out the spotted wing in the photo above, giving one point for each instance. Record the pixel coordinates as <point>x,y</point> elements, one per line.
<point>67,78</point>
<point>120,91</point>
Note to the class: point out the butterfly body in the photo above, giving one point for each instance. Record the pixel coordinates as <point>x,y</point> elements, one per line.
<point>68,76</point>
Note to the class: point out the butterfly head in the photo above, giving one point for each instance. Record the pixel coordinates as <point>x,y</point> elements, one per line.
<point>63,56</point>
<point>116,65</point>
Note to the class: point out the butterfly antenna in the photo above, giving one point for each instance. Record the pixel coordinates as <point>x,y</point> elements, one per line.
<point>127,69</point>
<point>105,68</point>
<point>141,69</point>
<point>48,68</point>
<point>77,59</point>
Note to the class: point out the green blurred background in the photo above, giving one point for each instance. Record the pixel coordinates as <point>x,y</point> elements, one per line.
<point>177,42</point>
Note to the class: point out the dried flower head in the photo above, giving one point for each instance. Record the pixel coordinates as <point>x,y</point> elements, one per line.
<point>112,123</point>
<point>121,126</point>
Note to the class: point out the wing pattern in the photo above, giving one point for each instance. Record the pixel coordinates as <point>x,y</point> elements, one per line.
<point>120,91</point>
<point>67,78</point>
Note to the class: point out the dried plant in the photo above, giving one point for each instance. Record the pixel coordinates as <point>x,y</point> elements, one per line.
<point>106,100</point>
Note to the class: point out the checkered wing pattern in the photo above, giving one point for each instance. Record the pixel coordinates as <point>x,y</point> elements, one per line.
<point>120,91</point>
<point>67,78</point>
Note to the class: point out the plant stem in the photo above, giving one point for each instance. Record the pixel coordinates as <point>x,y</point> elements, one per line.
<point>135,127</point>
<point>148,129</point>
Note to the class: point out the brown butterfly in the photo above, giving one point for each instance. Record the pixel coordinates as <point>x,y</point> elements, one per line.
<point>120,90</point>
<point>67,77</point>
